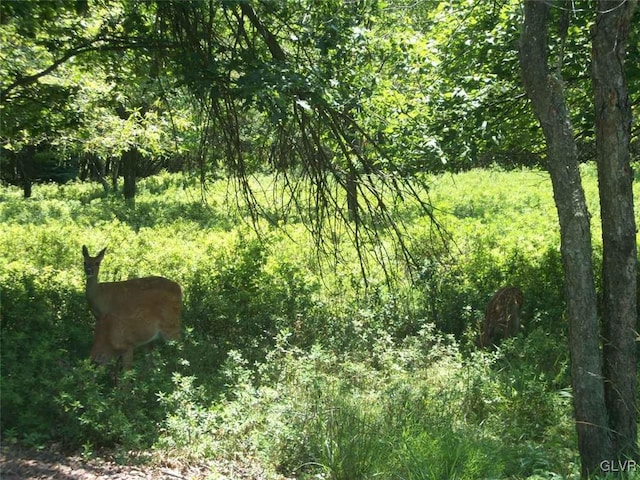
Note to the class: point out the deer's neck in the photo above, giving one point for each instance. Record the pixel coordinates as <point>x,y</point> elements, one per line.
<point>92,294</point>
<point>92,285</point>
<point>92,282</point>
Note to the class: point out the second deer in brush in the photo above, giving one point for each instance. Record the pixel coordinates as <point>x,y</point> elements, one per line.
<point>502,316</point>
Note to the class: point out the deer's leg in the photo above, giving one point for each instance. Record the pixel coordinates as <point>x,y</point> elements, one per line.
<point>127,359</point>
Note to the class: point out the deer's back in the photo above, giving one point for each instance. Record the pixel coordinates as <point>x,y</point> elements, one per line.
<point>502,315</point>
<point>149,296</point>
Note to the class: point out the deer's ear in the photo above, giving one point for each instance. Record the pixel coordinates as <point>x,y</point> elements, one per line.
<point>85,252</point>
<point>102,252</point>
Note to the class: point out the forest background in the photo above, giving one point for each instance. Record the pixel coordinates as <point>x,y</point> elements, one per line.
<point>339,187</point>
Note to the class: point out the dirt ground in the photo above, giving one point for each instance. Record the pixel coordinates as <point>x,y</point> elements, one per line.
<point>22,464</point>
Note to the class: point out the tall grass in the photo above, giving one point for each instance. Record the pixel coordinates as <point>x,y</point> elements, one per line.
<point>289,360</point>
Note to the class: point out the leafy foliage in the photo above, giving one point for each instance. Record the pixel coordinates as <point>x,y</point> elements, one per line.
<point>354,89</point>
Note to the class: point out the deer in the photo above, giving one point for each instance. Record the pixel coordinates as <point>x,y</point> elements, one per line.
<point>502,316</point>
<point>129,313</point>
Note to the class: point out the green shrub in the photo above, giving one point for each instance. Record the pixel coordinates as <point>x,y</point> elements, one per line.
<point>190,426</point>
<point>315,413</point>
<point>239,301</point>
<point>38,346</point>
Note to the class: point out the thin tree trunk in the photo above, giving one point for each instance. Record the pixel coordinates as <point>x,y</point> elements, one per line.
<point>100,171</point>
<point>352,194</point>
<point>545,90</point>
<point>129,169</point>
<point>26,167</point>
<point>615,179</point>
<point>114,171</point>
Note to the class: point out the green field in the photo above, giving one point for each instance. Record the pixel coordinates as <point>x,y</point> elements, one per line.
<point>289,360</point>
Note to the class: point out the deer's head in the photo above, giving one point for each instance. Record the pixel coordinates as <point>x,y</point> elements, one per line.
<point>92,264</point>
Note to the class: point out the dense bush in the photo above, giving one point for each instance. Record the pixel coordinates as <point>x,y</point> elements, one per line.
<point>236,300</point>
<point>417,410</point>
<point>44,331</point>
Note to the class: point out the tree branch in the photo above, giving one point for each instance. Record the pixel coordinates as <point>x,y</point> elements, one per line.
<point>105,45</point>
<point>272,43</point>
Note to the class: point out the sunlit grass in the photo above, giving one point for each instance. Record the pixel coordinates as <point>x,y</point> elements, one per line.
<point>288,358</point>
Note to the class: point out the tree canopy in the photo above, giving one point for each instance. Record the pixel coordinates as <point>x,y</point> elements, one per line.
<point>320,86</point>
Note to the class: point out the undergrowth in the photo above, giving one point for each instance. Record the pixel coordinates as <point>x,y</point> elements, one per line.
<point>295,364</point>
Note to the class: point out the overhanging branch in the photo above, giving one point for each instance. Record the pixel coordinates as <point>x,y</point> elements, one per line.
<point>95,45</point>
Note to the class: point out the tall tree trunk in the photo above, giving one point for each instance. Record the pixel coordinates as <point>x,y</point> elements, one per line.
<point>615,179</point>
<point>545,90</point>
<point>114,171</point>
<point>26,167</point>
<point>129,168</point>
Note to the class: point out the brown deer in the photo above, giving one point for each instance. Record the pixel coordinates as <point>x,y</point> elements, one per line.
<point>129,313</point>
<point>502,316</point>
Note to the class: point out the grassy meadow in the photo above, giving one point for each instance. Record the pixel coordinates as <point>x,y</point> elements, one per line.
<point>289,361</point>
